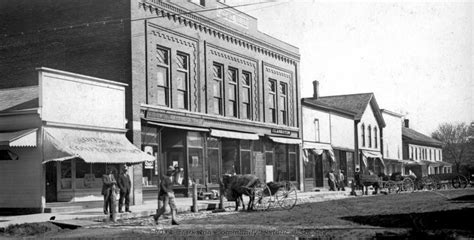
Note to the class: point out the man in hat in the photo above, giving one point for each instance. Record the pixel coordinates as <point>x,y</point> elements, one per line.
<point>108,186</point>
<point>124,184</point>
<point>166,194</point>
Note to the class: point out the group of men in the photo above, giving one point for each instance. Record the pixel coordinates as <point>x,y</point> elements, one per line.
<point>336,180</point>
<point>110,188</point>
<point>123,185</point>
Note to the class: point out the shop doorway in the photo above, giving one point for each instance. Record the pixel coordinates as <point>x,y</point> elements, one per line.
<point>51,182</point>
<point>314,176</point>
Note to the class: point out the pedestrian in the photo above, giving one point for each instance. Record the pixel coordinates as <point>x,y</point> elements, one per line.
<point>166,194</point>
<point>331,180</point>
<point>340,180</point>
<point>125,185</point>
<point>108,188</point>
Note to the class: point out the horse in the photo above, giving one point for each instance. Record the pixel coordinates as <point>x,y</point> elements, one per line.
<point>237,185</point>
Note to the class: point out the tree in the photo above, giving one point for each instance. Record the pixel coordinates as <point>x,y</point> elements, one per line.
<point>455,138</point>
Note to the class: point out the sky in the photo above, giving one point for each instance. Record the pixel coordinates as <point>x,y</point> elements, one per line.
<point>416,57</point>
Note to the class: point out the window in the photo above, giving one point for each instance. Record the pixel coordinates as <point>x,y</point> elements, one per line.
<point>283,103</point>
<point>431,155</point>
<point>363,135</point>
<point>246,112</point>
<point>199,2</point>
<point>369,129</point>
<point>217,70</point>
<point>375,137</point>
<point>316,129</point>
<point>416,153</point>
<point>272,100</point>
<point>163,69</point>
<point>411,153</point>
<point>182,78</point>
<point>232,76</point>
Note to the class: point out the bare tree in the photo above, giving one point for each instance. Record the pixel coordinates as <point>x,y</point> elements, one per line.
<point>455,138</point>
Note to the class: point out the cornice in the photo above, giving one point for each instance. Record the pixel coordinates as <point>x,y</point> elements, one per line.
<point>202,24</point>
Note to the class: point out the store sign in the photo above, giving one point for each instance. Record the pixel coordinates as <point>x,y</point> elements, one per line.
<point>281,131</point>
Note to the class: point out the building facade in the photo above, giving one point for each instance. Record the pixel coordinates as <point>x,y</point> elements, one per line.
<point>392,150</point>
<point>56,141</point>
<point>206,91</point>
<point>425,153</point>
<point>328,141</point>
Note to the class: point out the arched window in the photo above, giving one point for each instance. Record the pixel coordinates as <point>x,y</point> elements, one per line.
<point>369,129</point>
<point>375,137</point>
<point>363,135</point>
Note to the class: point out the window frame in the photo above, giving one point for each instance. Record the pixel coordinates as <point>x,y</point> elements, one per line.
<point>273,94</point>
<point>167,88</point>
<point>186,71</point>
<point>245,88</point>
<point>283,110</point>
<point>232,81</point>
<point>220,110</point>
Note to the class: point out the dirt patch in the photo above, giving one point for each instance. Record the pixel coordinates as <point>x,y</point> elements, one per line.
<point>29,229</point>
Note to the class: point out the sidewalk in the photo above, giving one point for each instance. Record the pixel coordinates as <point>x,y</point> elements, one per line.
<point>149,207</point>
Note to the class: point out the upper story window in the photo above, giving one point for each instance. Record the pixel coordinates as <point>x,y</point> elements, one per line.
<point>431,158</point>
<point>163,75</point>
<point>316,129</point>
<point>272,85</point>
<point>218,77</point>
<point>182,79</point>
<point>411,153</point>
<point>416,153</point>
<point>375,138</point>
<point>246,112</point>
<point>363,135</point>
<point>283,103</point>
<point>199,2</point>
<point>232,76</point>
<point>369,129</point>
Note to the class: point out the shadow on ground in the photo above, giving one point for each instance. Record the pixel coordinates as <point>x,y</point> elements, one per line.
<point>463,199</point>
<point>451,219</point>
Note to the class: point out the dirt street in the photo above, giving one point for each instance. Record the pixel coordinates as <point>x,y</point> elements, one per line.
<point>439,214</point>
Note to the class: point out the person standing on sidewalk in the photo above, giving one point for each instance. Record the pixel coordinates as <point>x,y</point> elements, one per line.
<point>340,181</point>
<point>124,184</point>
<point>166,194</point>
<point>331,180</point>
<point>108,186</point>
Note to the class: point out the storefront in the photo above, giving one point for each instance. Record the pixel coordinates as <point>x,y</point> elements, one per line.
<point>56,141</point>
<point>372,161</point>
<point>319,159</point>
<point>202,155</point>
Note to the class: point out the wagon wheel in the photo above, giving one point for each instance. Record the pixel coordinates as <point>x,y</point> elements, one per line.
<point>391,186</point>
<point>459,181</point>
<point>263,197</point>
<point>408,185</point>
<point>286,196</point>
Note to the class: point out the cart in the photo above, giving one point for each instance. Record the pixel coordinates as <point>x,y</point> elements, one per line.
<point>275,194</point>
<point>443,180</point>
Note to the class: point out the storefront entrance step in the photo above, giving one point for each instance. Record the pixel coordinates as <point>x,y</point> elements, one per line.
<point>63,209</point>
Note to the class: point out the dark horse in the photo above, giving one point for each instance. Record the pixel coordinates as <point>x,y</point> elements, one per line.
<point>237,185</point>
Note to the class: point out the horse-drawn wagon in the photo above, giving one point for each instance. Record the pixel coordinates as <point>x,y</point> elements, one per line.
<point>262,196</point>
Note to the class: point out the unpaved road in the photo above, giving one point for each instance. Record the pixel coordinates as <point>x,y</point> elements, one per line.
<point>441,214</point>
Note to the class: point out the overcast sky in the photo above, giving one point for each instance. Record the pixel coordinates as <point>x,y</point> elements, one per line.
<point>416,57</point>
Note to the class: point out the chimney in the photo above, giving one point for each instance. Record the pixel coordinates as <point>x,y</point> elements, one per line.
<point>407,123</point>
<point>315,89</point>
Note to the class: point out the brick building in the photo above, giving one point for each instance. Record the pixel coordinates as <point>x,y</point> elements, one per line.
<point>207,92</point>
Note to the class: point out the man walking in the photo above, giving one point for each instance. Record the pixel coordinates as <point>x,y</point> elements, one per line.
<point>124,184</point>
<point>166,194</point>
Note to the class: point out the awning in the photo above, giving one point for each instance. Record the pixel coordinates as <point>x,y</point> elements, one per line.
<point>371,154</point>
<point>92,146</point>
<point>23,138</point>
<point>445,164</point>
<point>399,160</point>
<point>319,148</point>
<point>285,140</point>
<point>197,129</point>
<point>235,135</point>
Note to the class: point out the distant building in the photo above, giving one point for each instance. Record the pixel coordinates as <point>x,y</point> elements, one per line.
<point>328,141</point>
<point>425,153</point>
<point>392,149</point>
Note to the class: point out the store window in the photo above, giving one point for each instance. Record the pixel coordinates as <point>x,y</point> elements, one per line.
<point>182,79</point>
<point>66,174</point>
<point>163,74</point>
<point>232,76</point>
<point>246,112</point>
<point>89,175</point>
<point>213,160</point>
<point>230,156</point>
<point>245,153</point>
<point>196,161</point>
<point>281,167</point>
<point>218,75</point>
<point>292,166</point>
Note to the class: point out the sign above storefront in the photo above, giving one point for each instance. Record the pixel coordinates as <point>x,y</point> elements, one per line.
<point>281,131</point>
